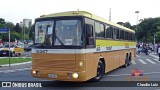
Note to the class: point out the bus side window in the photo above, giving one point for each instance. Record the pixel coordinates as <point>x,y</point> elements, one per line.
<point>89,35</point>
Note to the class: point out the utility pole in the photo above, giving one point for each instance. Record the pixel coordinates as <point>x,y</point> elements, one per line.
<point>109,14</point>
<point>154,37</point>
<point>137,16</point>
<point>24,31</point>
<point>9,49</point>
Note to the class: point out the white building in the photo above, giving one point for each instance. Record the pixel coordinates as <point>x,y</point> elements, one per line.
<point>21,24</point>
<point>27,23</point>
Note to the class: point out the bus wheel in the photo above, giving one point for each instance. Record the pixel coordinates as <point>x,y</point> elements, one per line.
<point>126,61</point>
<point>100,72</point>
<point>129,61</point>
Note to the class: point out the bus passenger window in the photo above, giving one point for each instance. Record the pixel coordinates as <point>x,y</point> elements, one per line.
<point>89,35</point>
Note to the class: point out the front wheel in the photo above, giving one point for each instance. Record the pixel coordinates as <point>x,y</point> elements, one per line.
<point>100,72</point>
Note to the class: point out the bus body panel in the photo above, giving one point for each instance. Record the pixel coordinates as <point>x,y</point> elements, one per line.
<point>59,62</point>
<point>64,63</point>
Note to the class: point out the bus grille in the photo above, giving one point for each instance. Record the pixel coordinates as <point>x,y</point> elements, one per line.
<point>54,63</point>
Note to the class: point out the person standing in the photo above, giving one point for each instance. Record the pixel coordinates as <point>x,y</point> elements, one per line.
<point>155,48</point>
<point>159,52</point>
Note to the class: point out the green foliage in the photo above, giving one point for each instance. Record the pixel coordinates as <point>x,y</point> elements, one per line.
<point>17,28</point>
<point>158,36</point>
<point>126,24</point>
<point>14,60</point>
<point>31,33</point>
<point>16,31</point>
<point>147,28</point>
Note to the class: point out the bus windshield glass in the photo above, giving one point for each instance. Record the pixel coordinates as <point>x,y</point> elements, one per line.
<point>68,32</point>
<point>43,33</point>
<point>64,33</point>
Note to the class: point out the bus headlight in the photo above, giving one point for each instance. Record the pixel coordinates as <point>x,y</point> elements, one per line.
<point>81,63</point>
<point>75,75</point>
<point>34,72</point>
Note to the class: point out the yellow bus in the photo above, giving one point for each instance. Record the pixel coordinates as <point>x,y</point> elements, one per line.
<point>79,46</point>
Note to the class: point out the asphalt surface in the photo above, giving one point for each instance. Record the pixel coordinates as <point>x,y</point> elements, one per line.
<point>147,64</point>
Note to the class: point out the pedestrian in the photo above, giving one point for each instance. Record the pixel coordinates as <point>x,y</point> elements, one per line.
<point>159,52</point>
<point>155,48</point>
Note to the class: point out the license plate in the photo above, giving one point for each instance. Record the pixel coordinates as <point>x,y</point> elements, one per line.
<point>4,53</point>
<point>52,75</point>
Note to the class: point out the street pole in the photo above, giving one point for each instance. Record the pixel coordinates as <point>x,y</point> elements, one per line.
<point>9,50</point>
<point>137,21</point>
<point>137,17</point>
<point>110,14</point>
<point>24,32</point>
<point>154,39</point>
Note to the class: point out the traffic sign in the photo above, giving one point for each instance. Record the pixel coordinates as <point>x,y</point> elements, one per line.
<point>4,30</point>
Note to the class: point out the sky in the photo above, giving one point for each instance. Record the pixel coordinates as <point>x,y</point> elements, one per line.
<point>121,10</point>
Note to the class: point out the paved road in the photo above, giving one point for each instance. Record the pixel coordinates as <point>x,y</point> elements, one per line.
<point>149,65</point>
<point>24,54</point>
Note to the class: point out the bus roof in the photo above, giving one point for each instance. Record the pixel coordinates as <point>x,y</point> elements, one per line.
<point>86,14</point>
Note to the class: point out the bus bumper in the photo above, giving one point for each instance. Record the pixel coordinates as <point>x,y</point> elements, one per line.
<point>59,75</point>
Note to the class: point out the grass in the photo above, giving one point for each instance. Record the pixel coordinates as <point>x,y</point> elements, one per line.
<point>14,60</point>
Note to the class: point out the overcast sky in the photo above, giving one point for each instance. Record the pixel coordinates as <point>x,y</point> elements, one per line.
<point>122,10</point>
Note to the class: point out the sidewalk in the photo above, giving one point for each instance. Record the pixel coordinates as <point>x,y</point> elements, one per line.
<point>15,66</point>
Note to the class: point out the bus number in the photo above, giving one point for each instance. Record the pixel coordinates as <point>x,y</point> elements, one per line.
<point>41,51</point>
<point>109,48</point>
<point>98,49</point>
<point>126,45</point>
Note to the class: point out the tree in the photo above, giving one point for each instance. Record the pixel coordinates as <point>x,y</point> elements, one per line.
<point>126,24</point>
<point>2,22</point>
<point>147,28</point>
<point>17,28</point>
<point>31,33</point>
<point>10,25</point>
<point>120,23</point>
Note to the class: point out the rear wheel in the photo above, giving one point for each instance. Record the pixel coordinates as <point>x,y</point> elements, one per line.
<point>126,61</point>
<point>100,72</point>
<point>129,60</point>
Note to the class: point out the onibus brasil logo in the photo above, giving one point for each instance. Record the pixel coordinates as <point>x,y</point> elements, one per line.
<point>137,75</point>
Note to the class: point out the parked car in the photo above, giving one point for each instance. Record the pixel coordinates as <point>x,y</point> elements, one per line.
<point>26,41</point>
<point>29,48</point>
<point>14,50</point>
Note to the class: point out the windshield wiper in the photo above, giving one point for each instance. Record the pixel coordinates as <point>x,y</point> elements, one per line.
<point>59,40</point>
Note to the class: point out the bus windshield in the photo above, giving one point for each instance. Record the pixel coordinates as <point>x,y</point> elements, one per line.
<point>68,32</point>
<point>65,32</point>
<point>43,33</point>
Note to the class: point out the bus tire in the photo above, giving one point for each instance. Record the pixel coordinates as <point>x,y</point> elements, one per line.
<point>126,61</point>
<point>100,72</point>
<point>129,60</point>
